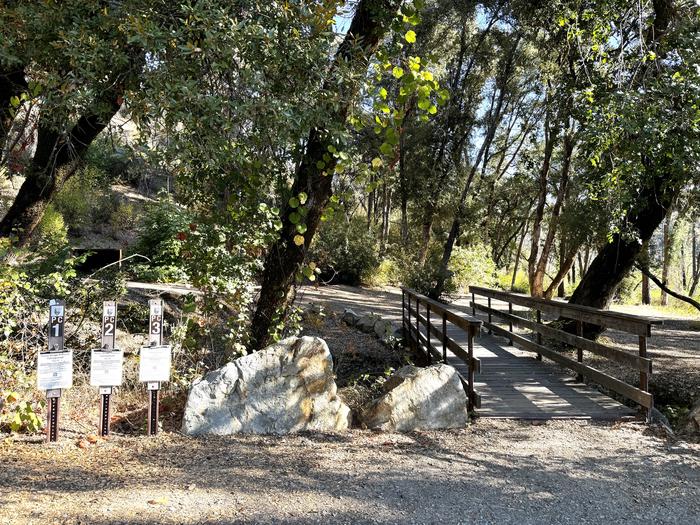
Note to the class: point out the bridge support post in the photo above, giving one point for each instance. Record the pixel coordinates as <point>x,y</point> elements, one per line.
<point>444,337</point>
<point>489,303</point>
<point>579,351</point>
<point>539,335</point>
<point>427,333</point>
<point>470,374</point>
<point>510,324</point>
<point>644,376</point>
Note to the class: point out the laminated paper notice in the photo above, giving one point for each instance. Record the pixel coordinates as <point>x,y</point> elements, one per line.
<point>55,370</point>
<point>155,363</point>
<point>106,367</point>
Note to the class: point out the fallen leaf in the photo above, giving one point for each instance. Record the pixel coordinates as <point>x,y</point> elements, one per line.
<point>92,438</point>
<point>158,501</point>
<point>83,443</point>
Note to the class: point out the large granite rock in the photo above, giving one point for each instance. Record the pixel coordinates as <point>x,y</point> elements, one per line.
<point>286,387</point>
<point>419,398</point>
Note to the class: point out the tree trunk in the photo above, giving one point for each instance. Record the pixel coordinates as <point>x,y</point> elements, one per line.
<point>54,161</point>
<point>696,262</point>
<point>666,264</point>
<point>535,278</point>
<point>285,258</point>
<point>646,293</point>
<point>616,258</point>
<point>517,257</point>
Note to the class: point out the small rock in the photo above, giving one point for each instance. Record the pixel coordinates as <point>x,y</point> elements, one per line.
<point>366,323</point>
<point>350,317</point>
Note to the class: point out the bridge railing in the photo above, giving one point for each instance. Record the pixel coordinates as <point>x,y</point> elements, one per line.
<point>636,325</point>
<point>421,339</point>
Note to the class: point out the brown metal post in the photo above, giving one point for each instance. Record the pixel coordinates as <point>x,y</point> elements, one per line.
<point>539,335</point>
<point>643,376</point>
<point>470,375</point>
<point>579,352</point>
<point>444,337</point>
<point>510,323</point>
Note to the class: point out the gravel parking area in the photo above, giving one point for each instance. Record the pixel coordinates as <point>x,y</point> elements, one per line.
<point>495,471</point>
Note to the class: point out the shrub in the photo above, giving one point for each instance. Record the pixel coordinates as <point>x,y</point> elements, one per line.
<point>388,272</point>
<point>158,240</point>
<point>51,234</point>
<point>345,252</point>
<point>472,265</point>
<point>505,278</point>
<point>86,199</point>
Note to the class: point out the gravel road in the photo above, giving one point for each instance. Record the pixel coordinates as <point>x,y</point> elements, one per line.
<point>495,471</point>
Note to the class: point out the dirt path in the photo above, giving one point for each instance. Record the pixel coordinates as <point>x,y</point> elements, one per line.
<point>492,472</point>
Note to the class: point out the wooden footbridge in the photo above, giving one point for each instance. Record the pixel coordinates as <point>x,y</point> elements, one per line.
<point>502,370</point>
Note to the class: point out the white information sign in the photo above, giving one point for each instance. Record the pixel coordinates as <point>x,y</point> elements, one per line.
<point>55,370</point>
<point>155,363</point>
<point>106,367</point>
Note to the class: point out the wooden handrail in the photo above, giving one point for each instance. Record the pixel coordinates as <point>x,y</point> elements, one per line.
<point>633,324</point>
<point>413,319</point>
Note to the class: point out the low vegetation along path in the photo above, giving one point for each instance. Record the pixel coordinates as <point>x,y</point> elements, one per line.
<point>512,384</point>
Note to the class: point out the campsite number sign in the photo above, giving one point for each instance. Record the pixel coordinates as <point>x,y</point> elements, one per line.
<point>106,364</point>
<point>154,366</point>
<point>55,365</point>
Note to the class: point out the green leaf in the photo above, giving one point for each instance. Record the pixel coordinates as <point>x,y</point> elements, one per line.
<point>294,202</point>
<point>294,218</point>
<point>410,36</point>
<point>303,197</point>
<point>299,240</point>
<point>397,72</point>
<point>386,148</point>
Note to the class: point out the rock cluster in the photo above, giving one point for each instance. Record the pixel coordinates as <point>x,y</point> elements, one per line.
<point>370,323</point>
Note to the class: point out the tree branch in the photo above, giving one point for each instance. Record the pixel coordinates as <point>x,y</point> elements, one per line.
<point>665,288</point>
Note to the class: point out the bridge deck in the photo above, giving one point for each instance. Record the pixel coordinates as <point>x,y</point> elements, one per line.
<point>512,383</point>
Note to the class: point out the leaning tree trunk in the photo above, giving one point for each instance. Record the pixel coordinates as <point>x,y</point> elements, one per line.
<point>285,258</point>
<point>613,262</point>
<point>52,163</point>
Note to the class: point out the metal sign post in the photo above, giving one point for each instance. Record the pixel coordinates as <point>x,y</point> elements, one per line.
<point>109,329</point>
<point>57,319</point>
<point>155,338</point>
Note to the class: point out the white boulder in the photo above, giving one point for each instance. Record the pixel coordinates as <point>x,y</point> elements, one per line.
<point>286,387</point>
<point>419,398</point>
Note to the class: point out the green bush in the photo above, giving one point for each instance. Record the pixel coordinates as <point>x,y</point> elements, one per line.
<point>86,199</point>
<point>388,273</point>
<point>51,235</point>
<point>505,278</point>
<point>345,252</point>
<point>163,223</point>
<point>472,265</point>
